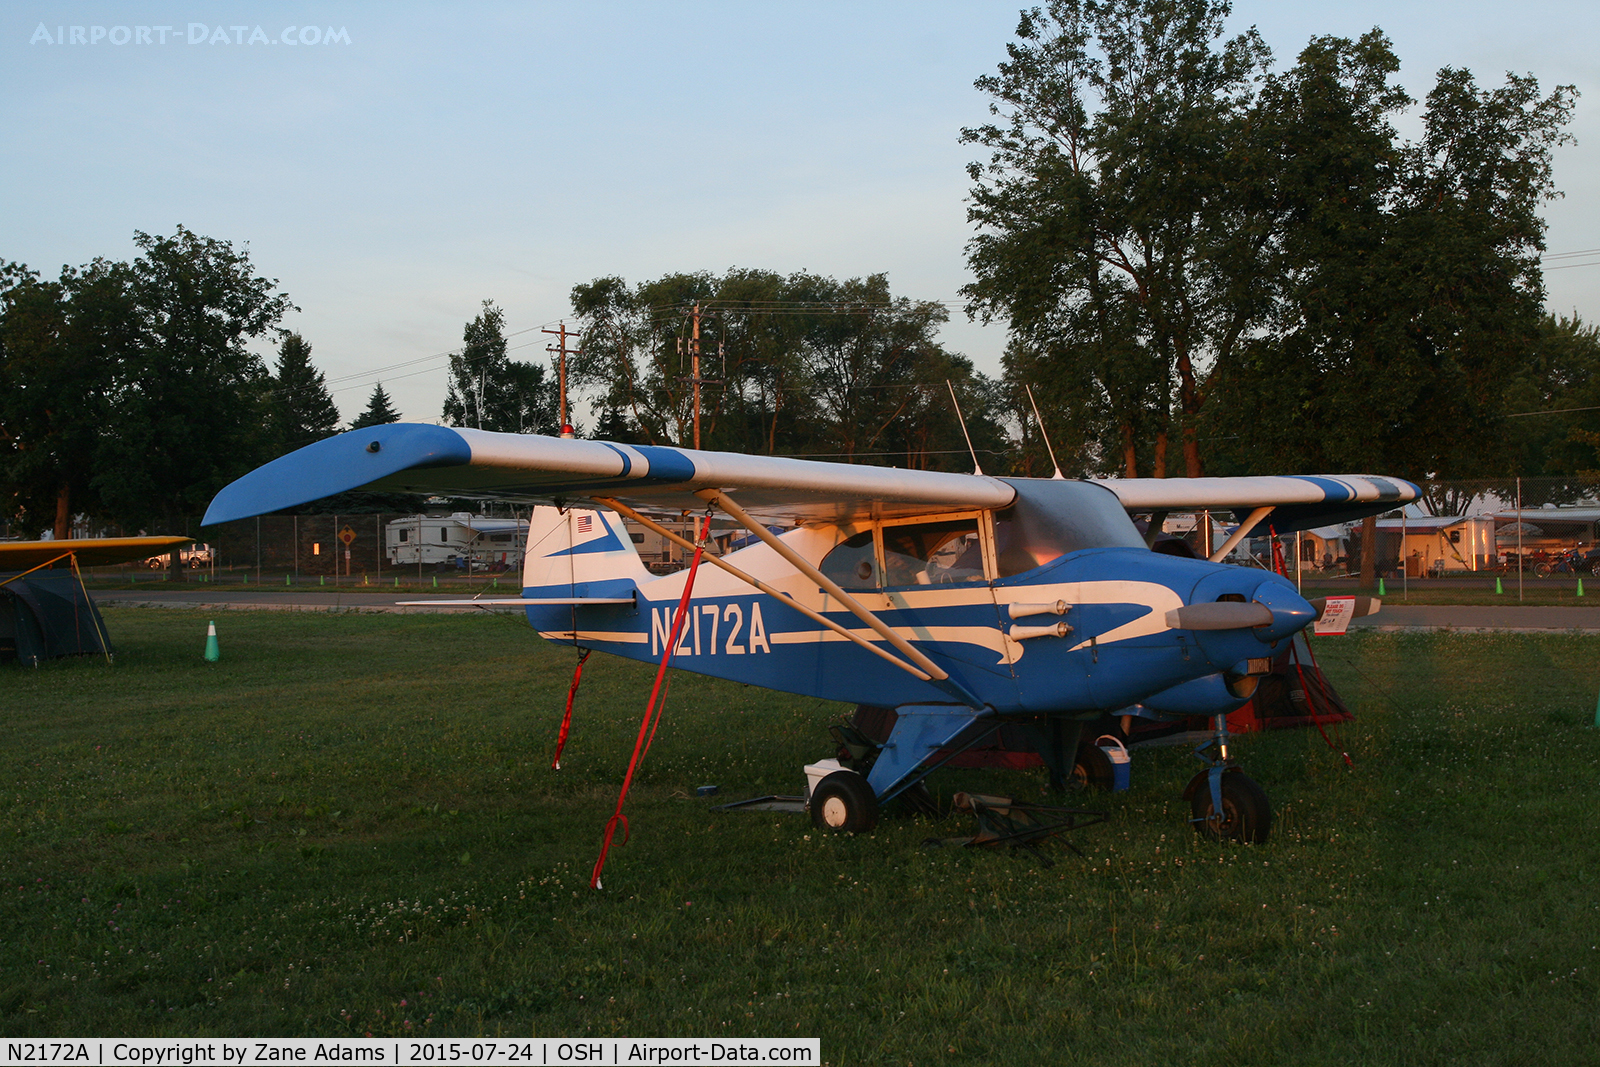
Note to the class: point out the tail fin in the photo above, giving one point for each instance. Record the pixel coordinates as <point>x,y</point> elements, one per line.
<point>579,553</point>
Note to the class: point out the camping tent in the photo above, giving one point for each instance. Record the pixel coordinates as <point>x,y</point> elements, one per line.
<point>47,614</point>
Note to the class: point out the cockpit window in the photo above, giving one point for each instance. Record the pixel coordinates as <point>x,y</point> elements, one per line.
<point>1052,518</point>
<point>853,564</point>
<point>932,553</point>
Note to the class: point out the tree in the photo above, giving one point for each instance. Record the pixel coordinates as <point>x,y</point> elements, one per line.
<point>60,343</point>
<point>1409,294</point>
<point>802,364</point>
<point>188,406</point>
<point>1179,238</point>
<point>301,409</point>
<point>1553,428</point>
<point>488,391</point>
<point>1108,235</point>
<point>380,410</point>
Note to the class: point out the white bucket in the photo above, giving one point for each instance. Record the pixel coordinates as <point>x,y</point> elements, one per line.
<point>1117,753</point>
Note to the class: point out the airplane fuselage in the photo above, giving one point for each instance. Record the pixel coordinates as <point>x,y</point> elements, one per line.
<point>1116,648</point>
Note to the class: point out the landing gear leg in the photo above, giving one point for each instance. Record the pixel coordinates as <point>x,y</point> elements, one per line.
<point>1225,804</point>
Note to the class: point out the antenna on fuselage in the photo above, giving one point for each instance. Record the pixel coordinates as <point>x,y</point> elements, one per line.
<point>1057,475</point>
<point>977,468</point>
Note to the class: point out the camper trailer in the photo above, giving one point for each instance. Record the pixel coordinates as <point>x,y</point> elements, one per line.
<point>460,540</point>
<point>1438,544</point>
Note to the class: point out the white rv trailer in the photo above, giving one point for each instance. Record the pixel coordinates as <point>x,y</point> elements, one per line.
<point>459,539</point>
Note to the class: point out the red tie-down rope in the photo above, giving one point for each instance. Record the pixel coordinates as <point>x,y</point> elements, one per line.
<point>1294,654</point>
<point>566,720</point>
<point>652,711</point>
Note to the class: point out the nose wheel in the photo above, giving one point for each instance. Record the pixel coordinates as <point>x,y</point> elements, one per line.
<point>1244,813</point>
<point>1225,804</point>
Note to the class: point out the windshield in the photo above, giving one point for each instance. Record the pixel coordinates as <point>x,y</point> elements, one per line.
<point>1052,518</point>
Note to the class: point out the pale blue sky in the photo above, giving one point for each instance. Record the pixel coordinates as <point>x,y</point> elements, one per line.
<point>451,154</point>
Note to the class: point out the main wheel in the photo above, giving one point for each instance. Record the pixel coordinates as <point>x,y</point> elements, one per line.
<point>1093,770</point>
<point>843,801</point>
<point>1246,814</point>
<point>1542,569</point>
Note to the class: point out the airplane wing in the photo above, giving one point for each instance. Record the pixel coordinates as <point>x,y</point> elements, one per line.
<point>1297,502</point>
<point>91,551</point>
<point>442,461</point>
<point>445,461</point>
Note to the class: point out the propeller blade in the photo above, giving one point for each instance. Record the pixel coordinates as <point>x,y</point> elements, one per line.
<point>1221,615</point>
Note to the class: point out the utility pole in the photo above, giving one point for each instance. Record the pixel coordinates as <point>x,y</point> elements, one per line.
<point>561,373</point>
<point>694,371</point>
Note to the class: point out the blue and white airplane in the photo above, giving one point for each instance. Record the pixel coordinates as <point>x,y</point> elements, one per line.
<point>963,602</point>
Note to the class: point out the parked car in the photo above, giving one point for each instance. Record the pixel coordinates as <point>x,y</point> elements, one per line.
<point>193,556</point>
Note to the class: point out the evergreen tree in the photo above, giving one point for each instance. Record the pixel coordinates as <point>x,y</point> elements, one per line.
<point>302,410</point>
<point>379,410</point>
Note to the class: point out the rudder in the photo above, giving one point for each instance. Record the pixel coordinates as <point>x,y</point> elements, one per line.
<point>570,549</point>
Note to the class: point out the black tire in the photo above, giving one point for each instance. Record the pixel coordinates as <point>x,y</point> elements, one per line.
<point>1093,770</point>
<point>1594,569</point>
<point>1542,570</point>
<point>844,803</point>
<point>1246,814</point>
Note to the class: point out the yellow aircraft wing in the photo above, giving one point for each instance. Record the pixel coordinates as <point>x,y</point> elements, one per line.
<point>90,551</point>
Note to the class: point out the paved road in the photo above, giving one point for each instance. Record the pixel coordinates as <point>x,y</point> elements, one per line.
<point>214,599</point>
<point>1477,618</point>
<point>1393,616</point>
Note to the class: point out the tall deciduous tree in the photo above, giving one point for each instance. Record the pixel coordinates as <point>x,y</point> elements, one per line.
<point>301,409</point>
<point>1178,237</point>
<point>1108,237</point>
<point>189,401</point>
<point>1410,296</point>
<point>60,344</point>
<point>489,391</point>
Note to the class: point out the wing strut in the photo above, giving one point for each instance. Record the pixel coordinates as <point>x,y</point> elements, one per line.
<point>856,608</point>
<point>1238,535</point>
<point>814,616</point>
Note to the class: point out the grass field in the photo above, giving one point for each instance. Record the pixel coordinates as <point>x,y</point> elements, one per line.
<point>349,826</point>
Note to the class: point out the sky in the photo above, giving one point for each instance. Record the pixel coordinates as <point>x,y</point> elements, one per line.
<point>394,165</point>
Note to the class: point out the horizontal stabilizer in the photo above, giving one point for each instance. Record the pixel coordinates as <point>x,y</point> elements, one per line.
<point>518,602</point>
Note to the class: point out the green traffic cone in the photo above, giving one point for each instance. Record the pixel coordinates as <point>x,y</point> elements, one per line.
<point>1381,590</point>
<point>286,580</point>
<point>213,653</point>
<point>436,581</point>
<point>397,583</point>
<point>1497,588</point>
<point>322,579</point>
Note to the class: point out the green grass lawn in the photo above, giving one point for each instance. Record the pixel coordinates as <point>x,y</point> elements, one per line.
<point>349,825</point>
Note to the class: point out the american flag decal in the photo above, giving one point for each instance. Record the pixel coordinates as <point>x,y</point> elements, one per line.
<point>585,524</point>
